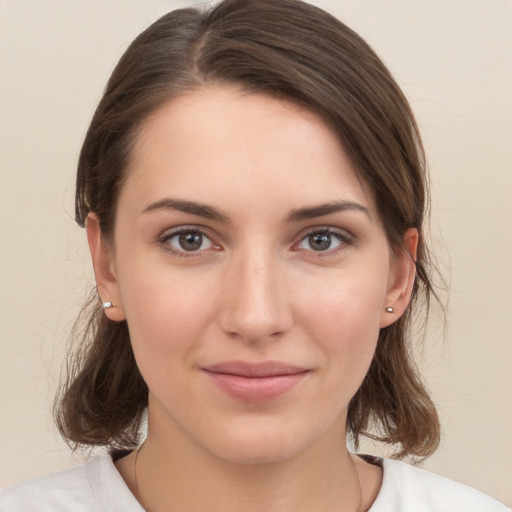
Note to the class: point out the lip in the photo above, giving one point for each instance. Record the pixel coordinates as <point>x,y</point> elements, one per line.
<point>255,382</point>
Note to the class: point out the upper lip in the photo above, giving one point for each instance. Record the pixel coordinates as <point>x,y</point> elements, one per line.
<point>261,369</point>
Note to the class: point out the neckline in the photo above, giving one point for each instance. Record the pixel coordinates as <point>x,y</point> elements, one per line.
<point>120,494</point>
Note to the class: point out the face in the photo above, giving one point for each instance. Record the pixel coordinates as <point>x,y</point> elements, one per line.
<point>253,272</point>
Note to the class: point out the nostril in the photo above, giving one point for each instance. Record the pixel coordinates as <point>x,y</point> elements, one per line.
<point>250,327</point>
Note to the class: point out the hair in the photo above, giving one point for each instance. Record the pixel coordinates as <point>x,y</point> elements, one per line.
<point>290,50</point>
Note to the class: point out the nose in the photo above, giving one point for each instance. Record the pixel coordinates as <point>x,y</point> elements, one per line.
<point>256,307</point>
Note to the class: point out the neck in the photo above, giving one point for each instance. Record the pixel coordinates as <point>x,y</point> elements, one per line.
<point>181,476</point>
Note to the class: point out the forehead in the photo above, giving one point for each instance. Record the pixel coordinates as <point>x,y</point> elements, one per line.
<point>213,143</point>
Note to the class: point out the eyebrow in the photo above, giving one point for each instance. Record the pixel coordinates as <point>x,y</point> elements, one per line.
<point>320,210</point>
<point>296,215</point>
<point>199,209</point>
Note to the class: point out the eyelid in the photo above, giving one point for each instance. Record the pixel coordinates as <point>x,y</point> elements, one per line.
<point>347,239</point>
<point>169,233</point>
<point>183,228</point>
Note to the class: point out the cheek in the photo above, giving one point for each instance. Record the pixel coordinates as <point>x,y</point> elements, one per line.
<point>346,304</point>
<point>166,313</point>
<point>344,320</point>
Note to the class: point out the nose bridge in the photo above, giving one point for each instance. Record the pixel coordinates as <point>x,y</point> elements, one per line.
<point>256,306</point>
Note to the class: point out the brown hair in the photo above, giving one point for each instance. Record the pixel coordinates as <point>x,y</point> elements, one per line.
<point>287,49</point>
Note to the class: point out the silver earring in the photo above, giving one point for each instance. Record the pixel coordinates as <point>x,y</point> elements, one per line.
<point>107,305</point>
<point>389,309</point>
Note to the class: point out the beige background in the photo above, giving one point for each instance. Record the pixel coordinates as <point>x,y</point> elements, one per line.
<point>454,60</point>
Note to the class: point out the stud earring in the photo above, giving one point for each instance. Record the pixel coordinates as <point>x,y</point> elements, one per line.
<point>389,309</point>
<point>107,305</point>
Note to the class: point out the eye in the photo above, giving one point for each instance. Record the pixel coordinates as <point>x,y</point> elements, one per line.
<point>324,240</point>
<point>186,241</point>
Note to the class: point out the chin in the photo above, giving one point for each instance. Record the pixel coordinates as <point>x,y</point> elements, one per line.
<point>261,443</point>
<point>257,453</point>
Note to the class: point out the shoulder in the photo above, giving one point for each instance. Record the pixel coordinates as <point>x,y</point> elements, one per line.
<point>66,490</point>
<point>406,488</point>
<point>93,486</point>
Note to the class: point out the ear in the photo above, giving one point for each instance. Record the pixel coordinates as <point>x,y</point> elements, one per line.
<point>103,262</point>
<point>403,273</point>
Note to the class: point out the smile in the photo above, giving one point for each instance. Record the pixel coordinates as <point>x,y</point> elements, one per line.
<point>254,383</point>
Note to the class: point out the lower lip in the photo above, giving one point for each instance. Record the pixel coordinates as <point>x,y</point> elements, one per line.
<point>255,389</point>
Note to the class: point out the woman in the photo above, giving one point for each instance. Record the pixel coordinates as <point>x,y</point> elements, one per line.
<point>253,189</point>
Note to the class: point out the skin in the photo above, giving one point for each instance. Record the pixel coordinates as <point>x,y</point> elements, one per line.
<point>258,289</point>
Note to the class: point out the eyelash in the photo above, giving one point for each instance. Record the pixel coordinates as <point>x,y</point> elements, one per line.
<point>344,238</point>
<point>165,238</point>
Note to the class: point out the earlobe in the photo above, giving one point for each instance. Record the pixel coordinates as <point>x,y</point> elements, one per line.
<point>106,280</point>
<point>402,279</point>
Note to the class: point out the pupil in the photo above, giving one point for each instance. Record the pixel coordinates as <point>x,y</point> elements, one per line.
<point>191,241</point>
<point>320,241</point>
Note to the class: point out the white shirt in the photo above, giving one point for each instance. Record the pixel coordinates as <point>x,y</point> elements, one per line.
<point>97,486</point>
